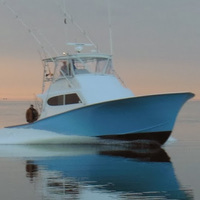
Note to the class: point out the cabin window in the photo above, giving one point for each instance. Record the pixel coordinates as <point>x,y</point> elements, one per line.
<point>56,101</point>
<point>64,100</point>
<point>71,98</point>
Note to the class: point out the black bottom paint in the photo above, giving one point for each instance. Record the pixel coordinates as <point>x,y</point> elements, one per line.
<point>160,137</point>
<point>149,155</point>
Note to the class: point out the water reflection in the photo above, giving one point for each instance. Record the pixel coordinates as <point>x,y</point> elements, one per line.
<point>85,172</point>
<point>31,170</point>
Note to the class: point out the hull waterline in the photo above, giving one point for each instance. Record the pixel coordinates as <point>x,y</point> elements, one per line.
<point>138,118</point>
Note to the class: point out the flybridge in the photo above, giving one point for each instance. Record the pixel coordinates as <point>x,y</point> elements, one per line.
<point>71,65</point>
<point>68,66</point>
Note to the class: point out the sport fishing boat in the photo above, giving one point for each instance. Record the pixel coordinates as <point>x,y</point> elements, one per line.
<point>85,97</point>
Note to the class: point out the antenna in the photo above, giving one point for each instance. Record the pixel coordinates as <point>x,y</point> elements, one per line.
<point>65,20</point>
<point>110,27</point>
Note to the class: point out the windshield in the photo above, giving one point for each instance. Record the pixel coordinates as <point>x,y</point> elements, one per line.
<point>92,65</point>
<point>83,65</point>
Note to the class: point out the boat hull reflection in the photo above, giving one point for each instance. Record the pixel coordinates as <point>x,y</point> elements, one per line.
<point>143,172</point>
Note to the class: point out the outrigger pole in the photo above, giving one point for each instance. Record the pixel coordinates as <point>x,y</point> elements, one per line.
<point>30,31</point>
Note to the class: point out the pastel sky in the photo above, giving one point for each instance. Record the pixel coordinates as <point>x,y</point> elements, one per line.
<point>156,43</point>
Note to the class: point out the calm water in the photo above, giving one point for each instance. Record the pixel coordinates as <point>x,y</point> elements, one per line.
<point>42,172</point>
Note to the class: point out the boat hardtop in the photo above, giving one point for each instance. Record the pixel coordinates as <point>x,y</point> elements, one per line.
<point>83,56</point>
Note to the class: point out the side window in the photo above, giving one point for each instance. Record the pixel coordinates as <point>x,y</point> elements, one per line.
<point>55,101</point>
<point>71,98</point>
<point>64,100</point>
